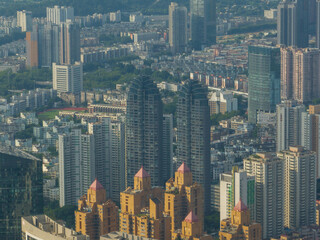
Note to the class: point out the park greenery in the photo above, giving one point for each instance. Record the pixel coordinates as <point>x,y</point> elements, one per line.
<point>216,118</point>
<point>12,37</point>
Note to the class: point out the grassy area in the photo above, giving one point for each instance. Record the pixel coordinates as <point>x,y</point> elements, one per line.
<point>48,115</point>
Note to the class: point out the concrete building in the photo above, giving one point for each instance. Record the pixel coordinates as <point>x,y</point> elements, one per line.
<point>292,23</point>
<point>96,215</point>
<point>21,191</point>
<point>115,16</point>
<point>300,74</point>
<point>144,123</point>
<point>193,134</point>
<point>268,170</point>
<point>288,125</point>
<point>41,227</point>
<point>182,195</point>
<point>177,28</point>
<point>222,102</point>
<point>299,187</point>
<point>167,148</point>
<point>142,206</point>
<point>67,78</point>
<point>58,15</point>
<point>239,225</point>
<point>264,80</point>
<point>271,14</point>
<point>233,187</point>
<point>24,20</point>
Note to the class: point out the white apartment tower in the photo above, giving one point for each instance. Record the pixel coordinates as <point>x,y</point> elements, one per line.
<point>268,171</point>
<point>59,14</point>
<point>299,187</point>
<point>67,78</point>
<point>24,20</point>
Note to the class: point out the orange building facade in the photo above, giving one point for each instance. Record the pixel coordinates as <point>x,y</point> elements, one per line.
<point>96,215</point>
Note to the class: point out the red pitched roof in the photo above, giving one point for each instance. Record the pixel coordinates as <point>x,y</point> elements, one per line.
<point>96,185</point>
<point>191,218</point>
<point>142,173</point>
<point>240,207</point>
<point>183,168</point>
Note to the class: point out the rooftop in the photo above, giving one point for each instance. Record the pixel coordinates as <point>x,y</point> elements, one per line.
<point>12,151</point>
<point>142,173</point>
<point>183,168</point>
<point>96,185</point>
<point>240,207</point>
<point>191,218</point>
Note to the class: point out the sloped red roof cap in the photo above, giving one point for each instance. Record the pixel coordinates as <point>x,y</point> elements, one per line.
<point>183,168</point>
<point>142,173</point>
<point>191,218</point>
<point>240,207</point>
<point>96,185</point>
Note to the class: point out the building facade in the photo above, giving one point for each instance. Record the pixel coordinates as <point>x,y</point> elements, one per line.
<point>178,34</point>
<point>268,170</point>
<point>193,134</point>
<point>24,20</point>
<point>144,130</point>
<point>21,192</point>
<point>57,14</point>
<point>299,187</point>
<point>264,80</point>
<point>222,102</point>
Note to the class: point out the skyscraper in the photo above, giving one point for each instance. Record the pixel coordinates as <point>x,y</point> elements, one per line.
<point>177,28</point>
<point>300,74</point>
<point>202,23</point>
<point>69,47</point>
<point>299,187</point>
<point>67,78</point>
<point>144,130</point>
<point>268,171</point>
<point>24,20</point>
<point>193,134</point>
<point>318,23</point>
<point>57,14</point>
<point>20,190</point>
<point>264,80</point>
<point>69,167</point>
<point>293,23</point>
<point>236,186</point>
<point>288,125</point>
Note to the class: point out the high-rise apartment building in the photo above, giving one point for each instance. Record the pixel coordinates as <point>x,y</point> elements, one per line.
<point>177,28</point>
<point>268,170</point>
<point>69,167</point>
<point>292,23</point>
<point>167,148</point>
<point>299,187</point>
<point>233,187</point>
<point>300,74</point>
<point>57,14</point>
<point>264,80</point>
<point>202,23</point>
<point>24,20</point>
<point>20,190</point>
<point>142,209</point>
<point>193,133</point>
<point>50,43</point>
<point>67,78</point>
<point>318,23</point>
<point>222,102</point>
<point>96,215</point>
<point>288,125</point>
<point>239,225</point>
<point>144,130</point>
<point>182,195</point>
<point>310,130</point>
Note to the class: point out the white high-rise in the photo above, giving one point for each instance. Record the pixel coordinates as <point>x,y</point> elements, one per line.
<point>268,171</point>
<point>299,187</point>
<point>288,125</point>
<point>69,167</point>
<point>67,78</point>
<point>177,28</point>
<point>59,14</point>
<point>233,187</point>
<point>24,20</point>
